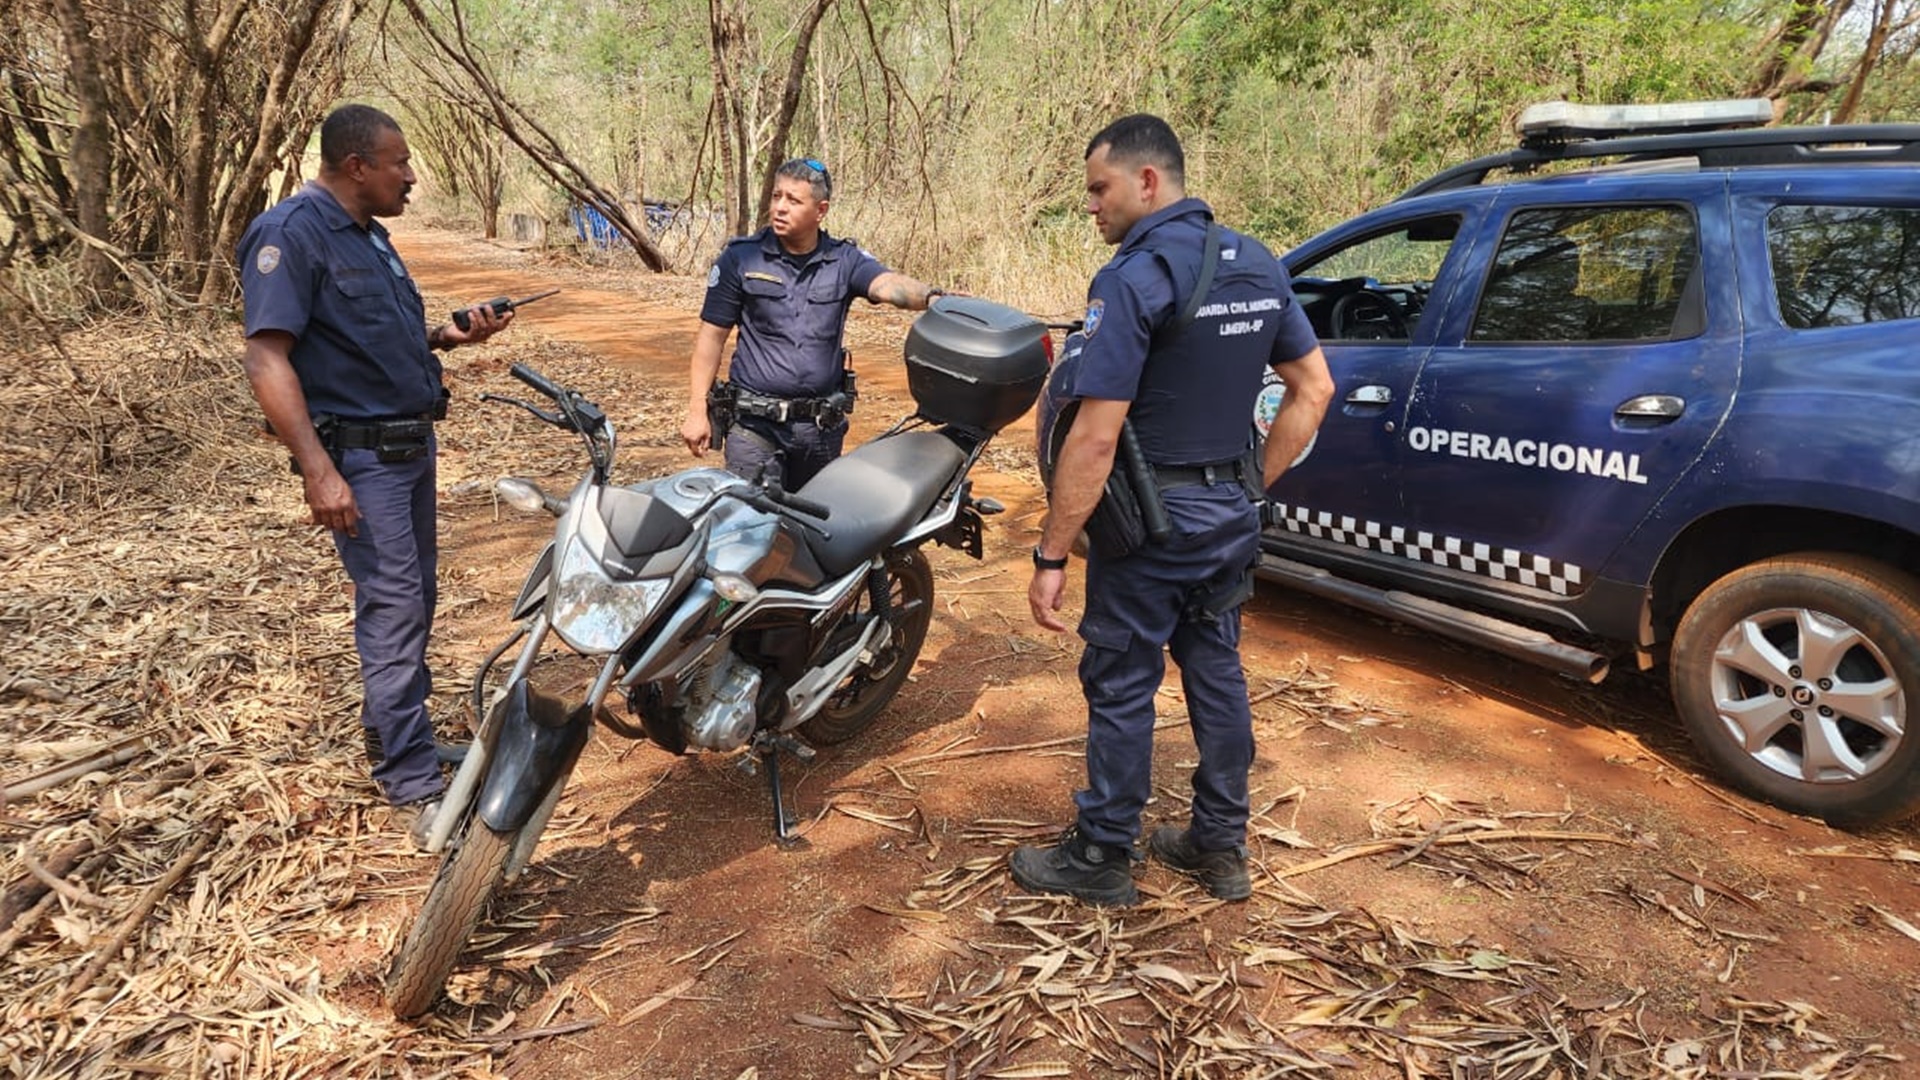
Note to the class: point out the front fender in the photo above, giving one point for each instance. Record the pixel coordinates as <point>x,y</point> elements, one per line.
<point>538,741</point>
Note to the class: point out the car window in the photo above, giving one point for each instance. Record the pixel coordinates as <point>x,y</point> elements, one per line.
<point>1376,288</point>
<point>1845,265</point>
<point>1594,273</point>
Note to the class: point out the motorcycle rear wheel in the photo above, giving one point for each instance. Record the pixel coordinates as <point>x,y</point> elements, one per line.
<point>868,690</point>
<point>447,918</point>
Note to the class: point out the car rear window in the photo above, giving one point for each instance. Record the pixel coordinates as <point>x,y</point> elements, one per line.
<point>1594,273</point>
<point>1845,265</point>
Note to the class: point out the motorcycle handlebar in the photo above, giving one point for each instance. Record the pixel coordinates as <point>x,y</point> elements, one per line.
<point>536,380</point>
<point>795,502</point>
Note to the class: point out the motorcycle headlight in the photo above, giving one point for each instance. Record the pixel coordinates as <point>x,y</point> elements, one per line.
<point>594,613</point>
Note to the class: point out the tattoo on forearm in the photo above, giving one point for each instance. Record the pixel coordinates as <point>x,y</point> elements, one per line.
<point>897,295</point>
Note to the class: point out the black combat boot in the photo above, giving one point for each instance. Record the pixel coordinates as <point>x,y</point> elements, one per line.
<point>1100,874</point>
<point>1224,873</point>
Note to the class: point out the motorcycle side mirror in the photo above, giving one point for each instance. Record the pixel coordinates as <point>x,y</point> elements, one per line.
<point>525,495</point>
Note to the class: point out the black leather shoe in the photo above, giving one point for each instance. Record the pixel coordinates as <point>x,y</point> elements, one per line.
<point>418,817</point>
<point>1224,873</point>
<point>1100,874</point>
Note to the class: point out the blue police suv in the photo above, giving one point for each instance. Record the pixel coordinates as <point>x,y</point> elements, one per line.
<point>1645,389</point>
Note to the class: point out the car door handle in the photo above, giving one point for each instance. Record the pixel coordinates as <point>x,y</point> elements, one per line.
<point>1373,394</point>
<point>1651,408</point>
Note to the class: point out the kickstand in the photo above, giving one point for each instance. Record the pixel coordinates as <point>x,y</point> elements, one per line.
<point>769,747</point>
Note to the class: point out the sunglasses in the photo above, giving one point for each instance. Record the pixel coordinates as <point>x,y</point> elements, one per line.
<point>819,171</point>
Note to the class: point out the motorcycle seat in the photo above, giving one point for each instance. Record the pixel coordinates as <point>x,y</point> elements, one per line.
<point>876,492</point>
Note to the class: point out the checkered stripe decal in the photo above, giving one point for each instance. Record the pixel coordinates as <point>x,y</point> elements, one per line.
<point>1500,564</point>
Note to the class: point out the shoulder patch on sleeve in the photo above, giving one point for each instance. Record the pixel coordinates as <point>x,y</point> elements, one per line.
<point>1095,312</point>
<point>713,275</point>
<point>267,260</point>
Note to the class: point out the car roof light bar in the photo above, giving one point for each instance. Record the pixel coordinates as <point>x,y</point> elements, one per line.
<point>1846,144</point>
<point>1562,121</point>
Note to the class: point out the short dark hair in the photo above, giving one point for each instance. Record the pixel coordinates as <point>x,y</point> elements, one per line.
<point>810,170</point>
<point>350,130</point>
<point>1143,139</point>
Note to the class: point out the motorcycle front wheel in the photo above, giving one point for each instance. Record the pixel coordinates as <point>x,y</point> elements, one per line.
<point>859,700</point>
<point>466,881</point>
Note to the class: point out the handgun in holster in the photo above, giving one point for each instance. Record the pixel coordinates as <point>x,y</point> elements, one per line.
<point>1207,602</point>
<point>720,414</point>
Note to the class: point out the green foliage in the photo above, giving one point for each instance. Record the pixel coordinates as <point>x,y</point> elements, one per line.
<point>955,130</point>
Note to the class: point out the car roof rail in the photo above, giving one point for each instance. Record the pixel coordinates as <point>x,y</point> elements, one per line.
<point>1558,132</point>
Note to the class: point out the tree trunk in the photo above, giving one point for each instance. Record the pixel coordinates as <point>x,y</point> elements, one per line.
<point>1790,51</point>
<point>790,101</point>
<point>727,28</point>
<point>1870,54</point>
<point>90,154</point>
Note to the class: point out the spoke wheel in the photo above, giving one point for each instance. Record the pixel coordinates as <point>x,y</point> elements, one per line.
<point>1793,676</point>
<point>861,697</point>
<point>467,879</point>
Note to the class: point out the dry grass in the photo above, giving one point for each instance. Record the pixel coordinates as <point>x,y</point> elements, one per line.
<point>199,879</point>
<point>190,827</point>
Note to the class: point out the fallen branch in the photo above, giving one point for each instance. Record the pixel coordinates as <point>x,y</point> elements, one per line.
<point>537,1033</point>
<point>118,752</point>
<point>141,910</point>
<point>1381,847</point>
<point>59,884</point>
<point>981,751</point>
<point>27,891</point>
<point>28,919</point>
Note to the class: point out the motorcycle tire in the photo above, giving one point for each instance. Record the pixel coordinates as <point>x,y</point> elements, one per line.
<point>868,690</point>
<point>467,879</point>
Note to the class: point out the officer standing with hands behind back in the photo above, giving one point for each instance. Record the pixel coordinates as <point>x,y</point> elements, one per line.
<point>342,363</point>
<point>1181,325</point>
<point>788,288</point>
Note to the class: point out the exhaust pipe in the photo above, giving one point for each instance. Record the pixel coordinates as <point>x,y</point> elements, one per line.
<point>1499,635</point>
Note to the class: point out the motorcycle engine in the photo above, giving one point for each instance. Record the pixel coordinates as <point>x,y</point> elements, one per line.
<point>719,703</point>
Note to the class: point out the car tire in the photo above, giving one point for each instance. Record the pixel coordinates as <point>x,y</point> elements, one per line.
<point>1795,677</point>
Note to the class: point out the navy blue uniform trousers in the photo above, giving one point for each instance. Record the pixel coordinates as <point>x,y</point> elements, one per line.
<point>393,562</point>
<point>1138,605</point>
<point>803,446</point>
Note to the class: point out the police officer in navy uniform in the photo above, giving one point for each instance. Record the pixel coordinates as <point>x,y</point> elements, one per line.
<point>788,288</point>
<point>1188,391</point>
<point>342,363</point>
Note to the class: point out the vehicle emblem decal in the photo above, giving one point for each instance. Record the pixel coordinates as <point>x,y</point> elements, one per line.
<point>1267,406</point>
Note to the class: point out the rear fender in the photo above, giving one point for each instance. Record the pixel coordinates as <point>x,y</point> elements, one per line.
<point>539,738</point>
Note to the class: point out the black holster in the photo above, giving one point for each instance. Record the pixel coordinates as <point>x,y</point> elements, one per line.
<point>1130,513</point>
<point>720,414</point>
<point>1208,602</point>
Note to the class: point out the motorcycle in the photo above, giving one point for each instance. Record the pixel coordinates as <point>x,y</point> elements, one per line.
<point>724,613</point>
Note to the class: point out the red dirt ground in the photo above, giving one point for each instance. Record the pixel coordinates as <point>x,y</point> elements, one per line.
<point>1406,726</point>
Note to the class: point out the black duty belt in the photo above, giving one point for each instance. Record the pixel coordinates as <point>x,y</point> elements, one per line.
<point>377,434</point>
<point>784,410</point>
<point>1173,476</point>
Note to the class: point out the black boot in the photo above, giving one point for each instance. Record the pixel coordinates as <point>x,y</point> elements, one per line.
<point>1100,874</point>
<point>1224,873</point>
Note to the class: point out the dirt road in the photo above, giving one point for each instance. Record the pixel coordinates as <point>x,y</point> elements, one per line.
<point>1450,844</point>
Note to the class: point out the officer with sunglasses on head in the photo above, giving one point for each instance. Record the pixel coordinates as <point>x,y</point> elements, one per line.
<point>345,369</point>
<point>787,288</point>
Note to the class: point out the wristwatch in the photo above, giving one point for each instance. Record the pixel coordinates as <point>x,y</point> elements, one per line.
<point>1041,562</point>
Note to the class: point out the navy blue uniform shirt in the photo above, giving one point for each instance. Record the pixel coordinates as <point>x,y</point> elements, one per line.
<point>1187,388</point>
<point>790,310</point>
<point>357,319</point>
